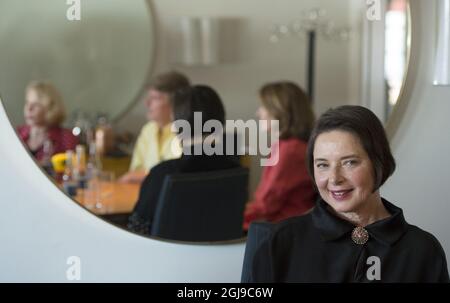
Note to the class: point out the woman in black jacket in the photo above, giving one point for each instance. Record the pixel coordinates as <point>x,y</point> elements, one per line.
<point>353,234</point>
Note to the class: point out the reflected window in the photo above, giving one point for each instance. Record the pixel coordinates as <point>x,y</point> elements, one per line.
<point>396,50</point>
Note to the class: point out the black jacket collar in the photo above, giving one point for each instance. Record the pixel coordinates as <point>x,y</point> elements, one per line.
<point>387,231</point>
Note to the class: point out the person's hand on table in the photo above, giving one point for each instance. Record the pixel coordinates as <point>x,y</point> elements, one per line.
<point>133,177</point>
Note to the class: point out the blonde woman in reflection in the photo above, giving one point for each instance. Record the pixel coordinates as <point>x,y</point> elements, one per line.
<point>44,113</point>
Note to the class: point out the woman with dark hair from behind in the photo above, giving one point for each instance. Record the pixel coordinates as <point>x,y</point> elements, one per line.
<point>186,102</point>
<point>353,234</point>
<point>285,189</point>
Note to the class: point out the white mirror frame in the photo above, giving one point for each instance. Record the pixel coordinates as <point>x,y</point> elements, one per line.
<point>372,86</point>
<point>41,228</point>
<point>373,58</point>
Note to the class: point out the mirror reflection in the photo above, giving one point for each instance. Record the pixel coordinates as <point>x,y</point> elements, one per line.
<point>110,46</point>
<point>67,85</point>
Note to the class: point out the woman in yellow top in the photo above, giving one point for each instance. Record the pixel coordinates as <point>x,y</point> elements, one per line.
<point>155,141</point>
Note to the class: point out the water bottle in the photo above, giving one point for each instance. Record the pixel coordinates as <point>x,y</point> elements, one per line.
<point>46,162</point>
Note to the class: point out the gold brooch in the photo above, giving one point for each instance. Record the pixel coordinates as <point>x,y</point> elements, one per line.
<point>360,235</point>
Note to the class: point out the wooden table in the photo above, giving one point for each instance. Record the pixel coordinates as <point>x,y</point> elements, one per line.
<point>111,198</point>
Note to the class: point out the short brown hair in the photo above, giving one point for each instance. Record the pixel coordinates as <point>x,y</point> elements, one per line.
<point>52,100</point>
<point>289,104</point>
<point>365,125</point>
<point>198,99</point>
<point>169,83</point>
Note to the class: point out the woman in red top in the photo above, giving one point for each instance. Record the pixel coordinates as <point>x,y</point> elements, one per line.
<point>285,189</point>
<point>44,114</point>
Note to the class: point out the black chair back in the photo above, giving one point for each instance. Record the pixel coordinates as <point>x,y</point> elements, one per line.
<point>205,206</point>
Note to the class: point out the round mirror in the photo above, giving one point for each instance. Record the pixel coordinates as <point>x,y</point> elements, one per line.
<point>100,62</point>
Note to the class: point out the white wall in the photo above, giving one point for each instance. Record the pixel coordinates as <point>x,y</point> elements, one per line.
<point>256,60</point>
<point>421,145</point>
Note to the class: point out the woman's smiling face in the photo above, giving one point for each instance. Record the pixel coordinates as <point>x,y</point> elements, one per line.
<point>343,172</point>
